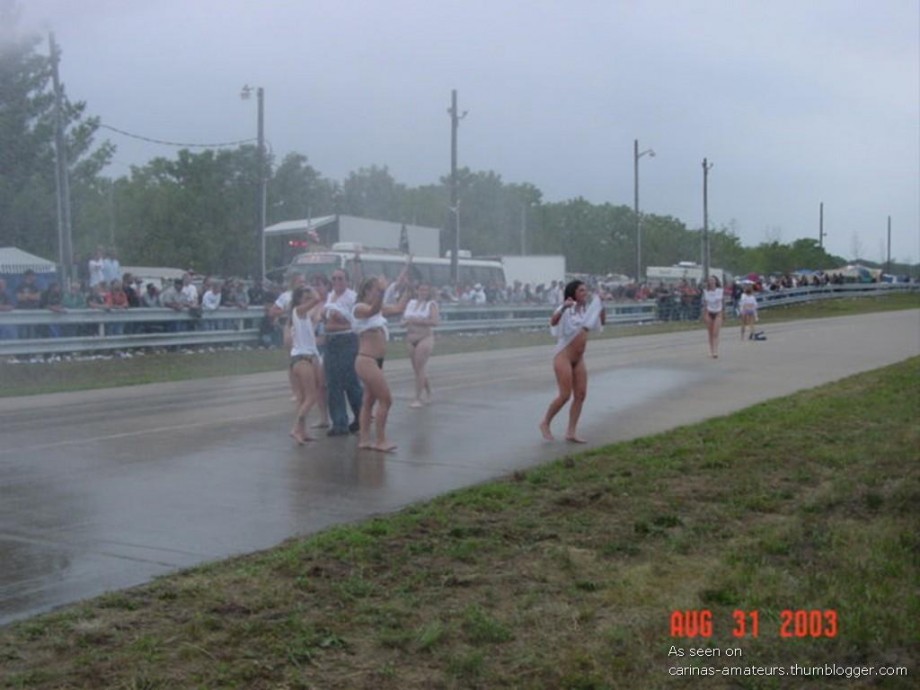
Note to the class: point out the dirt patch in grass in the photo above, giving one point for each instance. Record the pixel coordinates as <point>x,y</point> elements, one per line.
<point>564,576</point>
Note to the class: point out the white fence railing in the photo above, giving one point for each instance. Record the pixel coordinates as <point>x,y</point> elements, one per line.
<point>41,332</point>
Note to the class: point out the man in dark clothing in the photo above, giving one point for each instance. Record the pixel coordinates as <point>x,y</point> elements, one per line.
<point>6,304</point>
<point>28,296</point>
<point>52,299</point>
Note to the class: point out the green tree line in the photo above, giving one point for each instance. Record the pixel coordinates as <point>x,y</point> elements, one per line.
<point>201,209</point>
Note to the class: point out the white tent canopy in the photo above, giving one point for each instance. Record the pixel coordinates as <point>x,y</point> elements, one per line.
<point>14,261</point>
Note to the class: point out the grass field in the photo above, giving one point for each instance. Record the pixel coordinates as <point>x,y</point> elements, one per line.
<point>50,377</point>
<point>563,576</point>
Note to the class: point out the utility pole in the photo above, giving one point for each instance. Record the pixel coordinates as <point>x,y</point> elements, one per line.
<point>263,178</point>
<point>636,156</point>
<point>263,182</point>
<point>454,201</point>
<point>707,166</point>
<point>888,260</point>
<point>523,229</point>
<point>821,232</point>
<point>65,239</point>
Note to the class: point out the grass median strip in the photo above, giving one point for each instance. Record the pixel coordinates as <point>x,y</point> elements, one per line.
<point>563,576</point>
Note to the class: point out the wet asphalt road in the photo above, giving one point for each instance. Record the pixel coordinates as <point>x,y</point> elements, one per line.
<point>107,489</point>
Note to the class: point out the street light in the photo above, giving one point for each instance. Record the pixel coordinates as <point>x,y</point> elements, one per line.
<point>707,166</point>
<point>245,94</point>
<point>636,156</point>
<point>524,208</point>
<point>455,118</point>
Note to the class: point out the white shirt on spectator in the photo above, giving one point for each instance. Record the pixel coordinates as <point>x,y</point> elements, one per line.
<point>96,274</point>
<point>211,300</point>
<point>189,295</point>
<point>111,270</point>
<point>343,305</point>
<point>284,300</point>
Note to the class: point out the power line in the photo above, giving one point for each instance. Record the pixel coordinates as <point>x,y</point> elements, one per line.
<point>176,143</point>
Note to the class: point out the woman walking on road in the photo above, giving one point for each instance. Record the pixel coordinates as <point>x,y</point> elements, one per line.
<point>713,310</point>
<point>304,356</point>
<point>570,324</point>
<point>747,307</point>
<point>370,324</point>
<point>420,318</point>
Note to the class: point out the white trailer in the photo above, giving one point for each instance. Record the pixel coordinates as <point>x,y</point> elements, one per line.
<point>534,269</point>
<point>325,231</point>
<point>685,270</point>
<point>382,234</point>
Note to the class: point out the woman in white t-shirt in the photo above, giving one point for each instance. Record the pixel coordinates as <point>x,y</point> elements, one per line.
<point>370,323</point>
<point>747,308</point>
<point>304,355</point>
<point>420,317</point>
<point>570,324</point>
<point>713,313</point>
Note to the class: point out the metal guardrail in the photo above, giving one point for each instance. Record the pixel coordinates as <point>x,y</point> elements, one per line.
<point>789,296</point>
<point>93,330</point>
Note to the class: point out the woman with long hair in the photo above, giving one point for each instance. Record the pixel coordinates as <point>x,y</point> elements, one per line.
<point>713,313</point>
<point>570,323</point>
<point>420,317</point>
<point>370,324</point>
<point>304,356</point>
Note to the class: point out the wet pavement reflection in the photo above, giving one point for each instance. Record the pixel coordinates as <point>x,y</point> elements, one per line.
<point>107,489</point>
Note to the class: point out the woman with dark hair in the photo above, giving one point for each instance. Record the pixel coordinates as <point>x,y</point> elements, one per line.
<point>370,324</point>
<point>570,324</point>
<point>713,311</point>
<point>420,318</point>
<point>304,355</point>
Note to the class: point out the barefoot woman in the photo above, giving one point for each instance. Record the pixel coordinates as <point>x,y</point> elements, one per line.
<point>371,326</point>
<point>420,318</point>
<point>303,358</point>
<point>570,324</point>
<point>713,313</point>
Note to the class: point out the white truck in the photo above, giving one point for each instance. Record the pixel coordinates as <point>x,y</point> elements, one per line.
<point>685,270</point>
<point>534,269</point>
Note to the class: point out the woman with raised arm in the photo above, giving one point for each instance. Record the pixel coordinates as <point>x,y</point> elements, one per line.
<point>304,355</point>
<point>570,324</point>
<point>420,318</point>
<point>370,324</point>
<point>713,310</point>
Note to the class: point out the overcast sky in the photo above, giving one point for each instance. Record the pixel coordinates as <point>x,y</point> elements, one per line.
<point>794,102</point>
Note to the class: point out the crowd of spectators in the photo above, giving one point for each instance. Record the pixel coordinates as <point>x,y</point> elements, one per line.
<point>109,290</point>
<point>514,293</point>
<point>101,285</point>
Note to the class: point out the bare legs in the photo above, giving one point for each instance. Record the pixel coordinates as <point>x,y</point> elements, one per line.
<point>303,382</point>
<point>376,391</point>
<point>713,326</point>
<point>572,380</point>
<point>747,320</point>
<point>419,353</point>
